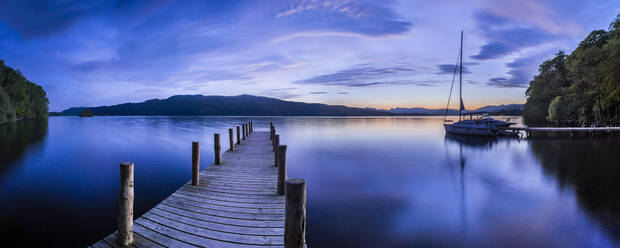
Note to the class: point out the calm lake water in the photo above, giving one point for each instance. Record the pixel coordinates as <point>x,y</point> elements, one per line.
<point>372,182</point>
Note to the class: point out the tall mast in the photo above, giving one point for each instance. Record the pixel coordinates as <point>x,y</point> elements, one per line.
<point>461,78</point>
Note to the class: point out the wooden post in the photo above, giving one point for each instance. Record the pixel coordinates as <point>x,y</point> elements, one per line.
<point>243,137</point>
<point>231,139</point>
<point>238,136</point>
<point>251,127</point>
<point>295,215</point>
<point>270,130</point>
<point>217,148</point>
<point>272,134</point>
<point>125,205</point>
<point>281,168</point>
<point>275,149</point>
<point>195,163</point>
<point>276,142</point>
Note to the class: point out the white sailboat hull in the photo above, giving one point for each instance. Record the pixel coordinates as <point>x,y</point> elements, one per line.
<point>470,130</point>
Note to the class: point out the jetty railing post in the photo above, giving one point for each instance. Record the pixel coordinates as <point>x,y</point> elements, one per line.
<point>243,137</point>
<point>125,205</point>
<point>295,215</point>
<point>275,151</point>
<point>276,142</point>
<point>231,139</point>
<point>195,163</point>
<point>281,168</point>
<point>270,130</point>
<point>217,148</point>
<point>238,136</point>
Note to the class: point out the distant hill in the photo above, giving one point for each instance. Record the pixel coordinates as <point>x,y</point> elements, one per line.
<point>506,109</point>
<point>196,105</point>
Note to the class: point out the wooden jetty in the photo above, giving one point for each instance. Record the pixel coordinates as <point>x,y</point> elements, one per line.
<point>235,202</point>
<point>571,131</point>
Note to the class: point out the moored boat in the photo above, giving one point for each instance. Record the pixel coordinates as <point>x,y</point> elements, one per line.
<point>479,123</point>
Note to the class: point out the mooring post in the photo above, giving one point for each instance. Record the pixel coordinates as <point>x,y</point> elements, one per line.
<point>195,163</point>
<point>275,151</point>
<point>125,205</point>
<point>230,139</point>
<point>247,130</point>
<point>251,127</point>
<point>243,137</point>
<point>270,130</point>
<point>281,168</point>
<point>272,134</point>
<point>217,148</point>
<point>276,142</point>
<point>295,215</point>
<point>238,136</point>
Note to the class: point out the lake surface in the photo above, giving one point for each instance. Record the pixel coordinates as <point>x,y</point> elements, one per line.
<point>372,182</point>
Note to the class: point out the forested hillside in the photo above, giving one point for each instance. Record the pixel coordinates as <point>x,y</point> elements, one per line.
<point>224,105</point>
<point>582,88</point>
<point>20,98</point>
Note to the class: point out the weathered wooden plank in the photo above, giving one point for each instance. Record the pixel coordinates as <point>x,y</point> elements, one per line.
<point>158,237</point>
<point>226,214</point>
<point>241,185</point>
<point>199,197</point>
<point>190,238</point>
<point>219,197</point>
<point>237,195</point>
<point>221,220</point>
<point>205,232</point>
<point>208,223</point>
<point>140,241</point>
<point>232,209</point>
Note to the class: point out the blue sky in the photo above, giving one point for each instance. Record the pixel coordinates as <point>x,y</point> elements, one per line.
<point>358,53</point>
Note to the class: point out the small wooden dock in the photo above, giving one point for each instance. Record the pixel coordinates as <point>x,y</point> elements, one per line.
<point>234,202</point>
<point>570,131</point>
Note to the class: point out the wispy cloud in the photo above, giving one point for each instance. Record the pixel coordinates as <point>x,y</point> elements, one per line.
<point>367,17</point>
<point>505,36</point>
<point>504,83</point>
<point>317,93</point>
<point>449,68</point>
<point>521,72</point>
<point>360,77</point>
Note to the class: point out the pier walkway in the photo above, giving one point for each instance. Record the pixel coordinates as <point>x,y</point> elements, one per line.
<point>572,131</point>
<point>236,204</point>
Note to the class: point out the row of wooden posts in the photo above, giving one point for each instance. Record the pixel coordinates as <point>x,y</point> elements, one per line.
<point>294,189</point>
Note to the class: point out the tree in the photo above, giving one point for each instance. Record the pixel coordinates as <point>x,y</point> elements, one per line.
<point>20,98</point>
<point>86,113</point>
<point>581,87</point>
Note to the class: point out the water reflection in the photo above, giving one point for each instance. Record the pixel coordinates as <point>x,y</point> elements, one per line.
<point>472,141</point>
<point>15,138</point>
<point>372,181</point>
<point>590,168</point>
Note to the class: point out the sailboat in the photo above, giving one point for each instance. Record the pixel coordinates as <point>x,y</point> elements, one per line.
<point>479,123</point>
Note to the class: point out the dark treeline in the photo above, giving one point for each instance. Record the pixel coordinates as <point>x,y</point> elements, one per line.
<point>20,98</point>
<point>582,88</point>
